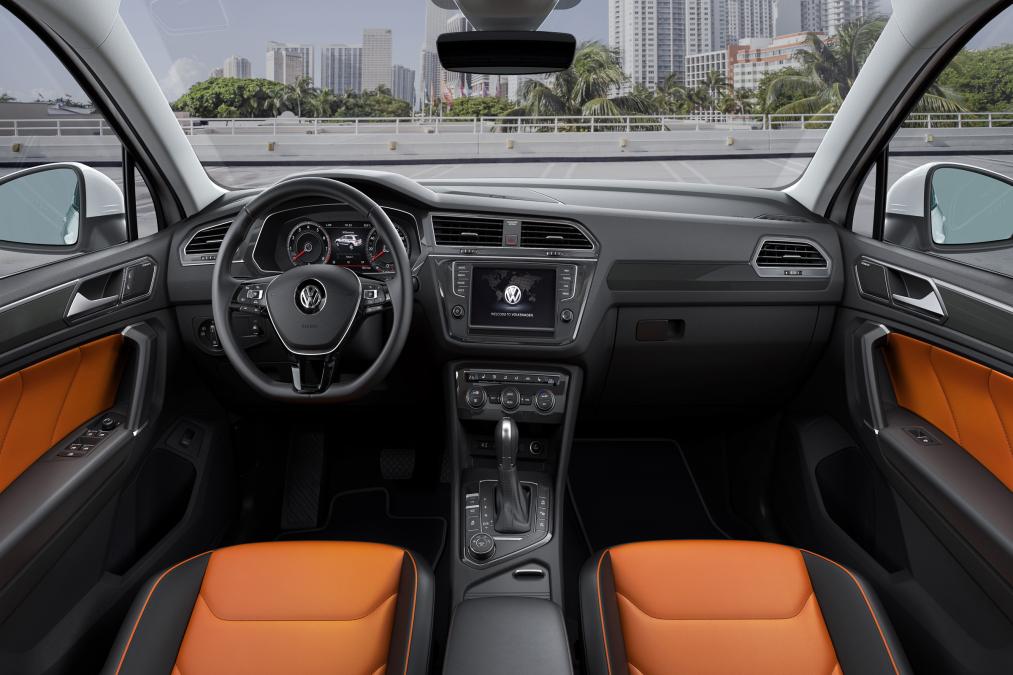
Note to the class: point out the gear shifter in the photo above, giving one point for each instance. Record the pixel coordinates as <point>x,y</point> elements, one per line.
<point>512,512</point>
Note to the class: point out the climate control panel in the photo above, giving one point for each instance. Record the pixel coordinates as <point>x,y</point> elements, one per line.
<point>527,395</point>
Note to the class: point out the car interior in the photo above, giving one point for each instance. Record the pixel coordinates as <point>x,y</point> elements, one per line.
<point>355,422</point>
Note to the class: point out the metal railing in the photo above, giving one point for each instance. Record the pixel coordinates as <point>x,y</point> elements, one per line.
<point>397,126</point>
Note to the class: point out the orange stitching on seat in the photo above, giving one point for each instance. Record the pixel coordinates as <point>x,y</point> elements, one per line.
<point>415,598</point>
<point>601,612</point>
<point>868,604</point>
<point>140,614</point>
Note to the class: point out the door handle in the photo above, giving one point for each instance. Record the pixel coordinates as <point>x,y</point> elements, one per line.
<point>929,303</point>
<point>84,305</point>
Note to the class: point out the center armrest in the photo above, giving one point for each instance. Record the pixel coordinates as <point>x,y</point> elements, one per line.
<point>508,635</point>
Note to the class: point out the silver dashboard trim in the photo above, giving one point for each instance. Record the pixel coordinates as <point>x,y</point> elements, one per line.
<point>595,245</point>
<point>893,301</point>
<point>781,272</point>
<point>182,249</point>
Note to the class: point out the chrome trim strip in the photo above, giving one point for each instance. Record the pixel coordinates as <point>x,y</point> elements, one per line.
<point>903,270</point>
<point>35,296</point>
<point>595,246</point>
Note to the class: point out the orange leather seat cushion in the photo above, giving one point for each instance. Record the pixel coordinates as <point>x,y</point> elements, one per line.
<point>294,607</point>
<point>719,607</point>
<point>44,402</point>
<point>969,402</point>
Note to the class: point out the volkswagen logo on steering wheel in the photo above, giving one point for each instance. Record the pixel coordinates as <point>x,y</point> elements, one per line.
<point>310,297</point>
<point>512,294</point>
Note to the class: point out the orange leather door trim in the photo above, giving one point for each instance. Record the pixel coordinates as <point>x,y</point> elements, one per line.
<point>46,401</point>
<point>969,402</point>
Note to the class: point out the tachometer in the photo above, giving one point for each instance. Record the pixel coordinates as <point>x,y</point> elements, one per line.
<point>309,244</point>
<point>380,256</point>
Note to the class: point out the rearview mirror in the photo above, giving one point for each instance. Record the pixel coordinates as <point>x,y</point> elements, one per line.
<point>60,208</point>
<point>940,205</point>
<point>506,52</point>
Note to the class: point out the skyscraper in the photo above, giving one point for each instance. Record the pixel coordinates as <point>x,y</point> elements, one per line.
<point>403,79</point>
<point>458,84</point>
<point>286,63</point>
<point>650,39</point>
<point>237,66</point>
<point>751,19</point>
<point>706,26</point>
<point>812,15</point>
<point>377,57</point>
<point>431,75</point>
<point>341,68</point>
<point>829,15</point>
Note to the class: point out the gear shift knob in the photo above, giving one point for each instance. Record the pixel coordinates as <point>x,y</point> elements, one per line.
<point>506,443</point>
<point>512,508</point>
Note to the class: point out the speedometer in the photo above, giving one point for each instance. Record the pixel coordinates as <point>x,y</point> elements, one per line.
<point>381,258</point>
<point>309,244</point>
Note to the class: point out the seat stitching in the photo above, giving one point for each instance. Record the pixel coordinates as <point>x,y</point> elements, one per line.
<point>601,612</point>
<point>140,614</point>
<point>415,597</point>
<point>200,596</point>
<point>946,397</point>
<point>748,618</point>
<point>868,606</point>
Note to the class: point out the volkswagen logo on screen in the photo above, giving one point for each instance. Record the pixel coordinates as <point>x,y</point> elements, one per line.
<point>310,297</point>
<point>512,294</point>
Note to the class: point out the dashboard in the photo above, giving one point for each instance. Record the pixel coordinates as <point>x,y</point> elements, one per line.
<point>332,234</point>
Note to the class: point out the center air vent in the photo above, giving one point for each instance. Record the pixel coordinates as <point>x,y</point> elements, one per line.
<point>203,246</point>
<point>785,257</point>
<point>467,231</point>
<point>541,234</point>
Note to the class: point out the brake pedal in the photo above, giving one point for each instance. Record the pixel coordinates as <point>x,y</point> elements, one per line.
<point>300,506</point>
<point>397,463</point>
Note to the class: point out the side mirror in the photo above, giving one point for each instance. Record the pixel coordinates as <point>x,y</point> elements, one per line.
<point>61,208</point>
<point>941,205</point>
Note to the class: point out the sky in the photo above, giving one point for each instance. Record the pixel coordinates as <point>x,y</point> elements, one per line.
<point>183,40</point>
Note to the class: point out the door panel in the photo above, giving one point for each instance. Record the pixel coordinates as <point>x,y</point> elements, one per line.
<point>41,404</point>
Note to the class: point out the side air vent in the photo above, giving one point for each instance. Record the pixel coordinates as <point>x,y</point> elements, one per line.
<point>539,234</point>
<point>467,231</point>
<point>781,257</point>
<point>783,217</point>
<point>203,245</point>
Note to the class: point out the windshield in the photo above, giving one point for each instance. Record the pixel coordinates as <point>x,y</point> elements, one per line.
<point>663,90</point>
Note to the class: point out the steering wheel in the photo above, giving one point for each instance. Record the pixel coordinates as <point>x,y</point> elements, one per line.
<point>313,308</point>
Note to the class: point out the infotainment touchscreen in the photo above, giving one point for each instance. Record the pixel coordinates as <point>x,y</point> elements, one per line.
<point>519,299</point>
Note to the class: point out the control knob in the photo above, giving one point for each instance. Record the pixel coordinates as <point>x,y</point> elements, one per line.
<point>481,546</point>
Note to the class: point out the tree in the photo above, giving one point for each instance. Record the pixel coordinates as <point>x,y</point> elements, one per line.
<point>375,103</point>
<point>6,98</point>
<point>249,97</point>
<point>673,96</point>
<point>587,88</point>
<point>982,79</point>
<point>301,94</point>
<point>480,106</point>
<point>737,102</point>
<point>324,103</point>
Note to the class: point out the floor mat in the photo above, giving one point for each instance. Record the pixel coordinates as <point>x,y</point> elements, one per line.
<point>636,490</point>
<point>364,515</point>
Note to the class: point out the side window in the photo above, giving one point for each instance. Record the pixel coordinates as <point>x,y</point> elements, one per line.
<point>950,179</point>
<point>61,164</point>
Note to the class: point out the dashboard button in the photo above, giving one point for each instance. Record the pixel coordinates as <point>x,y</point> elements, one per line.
<point>457,312</point>
<point>566,316</point>
<point>476,398</point>
<point>545,401</point>
<point>511,398</point>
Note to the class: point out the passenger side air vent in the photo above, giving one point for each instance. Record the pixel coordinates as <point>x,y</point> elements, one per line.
<point>779,257</point>
<point>540,234</point>
<point>467,231</point>
<point>203,245</point>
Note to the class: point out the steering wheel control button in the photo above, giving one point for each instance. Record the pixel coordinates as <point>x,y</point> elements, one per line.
<point>476,397</point>
<point>511,398</point>
<point>481,546</point>
<point>545,400</point>
<point>457,312</point>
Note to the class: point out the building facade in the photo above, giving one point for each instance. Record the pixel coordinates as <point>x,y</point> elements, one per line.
<point>751,60</point>
<point>751,19</point>
<point>377,57</point>
<point>649,39</point>
<point>403,84</point>
<point>828,16</point>
<point>341,68</point>
<point>286,63</point>
<point>699,66</point>
<point>431,76</point>
<point>238,67</point>
<point>706,26</point>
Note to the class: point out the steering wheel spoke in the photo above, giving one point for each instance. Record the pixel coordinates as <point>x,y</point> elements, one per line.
<point>313,374</point>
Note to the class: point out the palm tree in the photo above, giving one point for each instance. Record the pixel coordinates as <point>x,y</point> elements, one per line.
<point>301,93</point>
<point>589,87</point>
<point>673,97</point>
<point>737,102</point>
<point>830,67</point>
<point>716,83</point>
<point>6,98</point>
<point>324,103</point>
<point>277,104</point>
